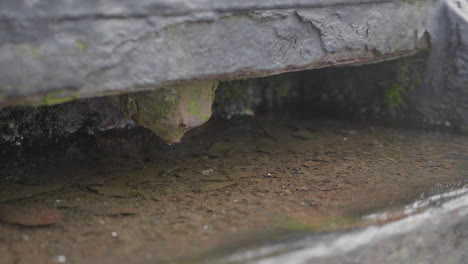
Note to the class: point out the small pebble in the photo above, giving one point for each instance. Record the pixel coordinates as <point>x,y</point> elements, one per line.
<point>114,234</point>
<point>207,171</point>
<point>61,259</point>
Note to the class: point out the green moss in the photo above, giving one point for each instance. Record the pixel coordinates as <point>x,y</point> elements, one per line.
<point>417,3</point>
<point>198,95</point>
<point>293,224</point>
<point>55,97</point>
<point>393,95</point>
<point>205,117</point>
<point>165,108</point>
<point>194,106</point>
<point>32,51</point>
<point>407,79</point>
<point>170,112</point>
<point>28,50</point>
<point>80,45</point>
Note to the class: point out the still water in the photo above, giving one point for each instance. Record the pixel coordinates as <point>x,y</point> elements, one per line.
<point>245,191</point>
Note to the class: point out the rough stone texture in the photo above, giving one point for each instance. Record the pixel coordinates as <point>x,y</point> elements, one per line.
<point>171,112</point>
<point>23,127</point>
<point>53,51</point>
<point>437,235</point>
<point>425,90</point>
<point>246,97</point>
<point>382,92</point>
<point>442,99</point>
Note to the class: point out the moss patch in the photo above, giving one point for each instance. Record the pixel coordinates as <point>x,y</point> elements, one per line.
<point>393,95</point>
<point>80,45</point>
<point>170,112</point>
<point>55,97</point>
<point>406,80</point>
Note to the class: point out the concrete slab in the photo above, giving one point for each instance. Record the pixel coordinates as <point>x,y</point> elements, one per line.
<point>55,51</point>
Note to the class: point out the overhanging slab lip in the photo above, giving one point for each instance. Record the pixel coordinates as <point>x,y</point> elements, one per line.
<point>72,94</point>
<point>79,56</point>
<point>86,9</point>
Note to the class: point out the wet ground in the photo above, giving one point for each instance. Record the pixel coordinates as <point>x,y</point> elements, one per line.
<point>125,197</point>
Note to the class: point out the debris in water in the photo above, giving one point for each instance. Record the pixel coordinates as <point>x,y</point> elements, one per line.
<point>207,171</point>
<point>61,259</point>
<point>303,134</point>
<point>27,216</point>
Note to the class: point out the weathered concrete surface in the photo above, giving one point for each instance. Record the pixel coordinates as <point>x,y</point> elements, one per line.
<point>442,99</point>
<point>54,51</point>
<point>437,235</point>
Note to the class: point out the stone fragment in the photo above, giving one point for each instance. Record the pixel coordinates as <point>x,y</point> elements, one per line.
<point>171,112</point>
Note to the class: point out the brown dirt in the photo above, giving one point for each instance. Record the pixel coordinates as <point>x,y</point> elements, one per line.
<point>127,198</point>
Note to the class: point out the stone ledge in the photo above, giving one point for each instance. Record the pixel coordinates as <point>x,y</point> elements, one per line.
<point>58,52</point>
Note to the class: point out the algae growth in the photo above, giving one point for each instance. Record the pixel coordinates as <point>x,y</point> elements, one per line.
<point>405,82</point>
<point>171,112</point>
<point>56,97</point>
<point>80,45</point>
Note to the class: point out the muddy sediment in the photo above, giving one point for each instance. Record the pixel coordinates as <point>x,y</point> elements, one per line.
<point>123,196</point>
